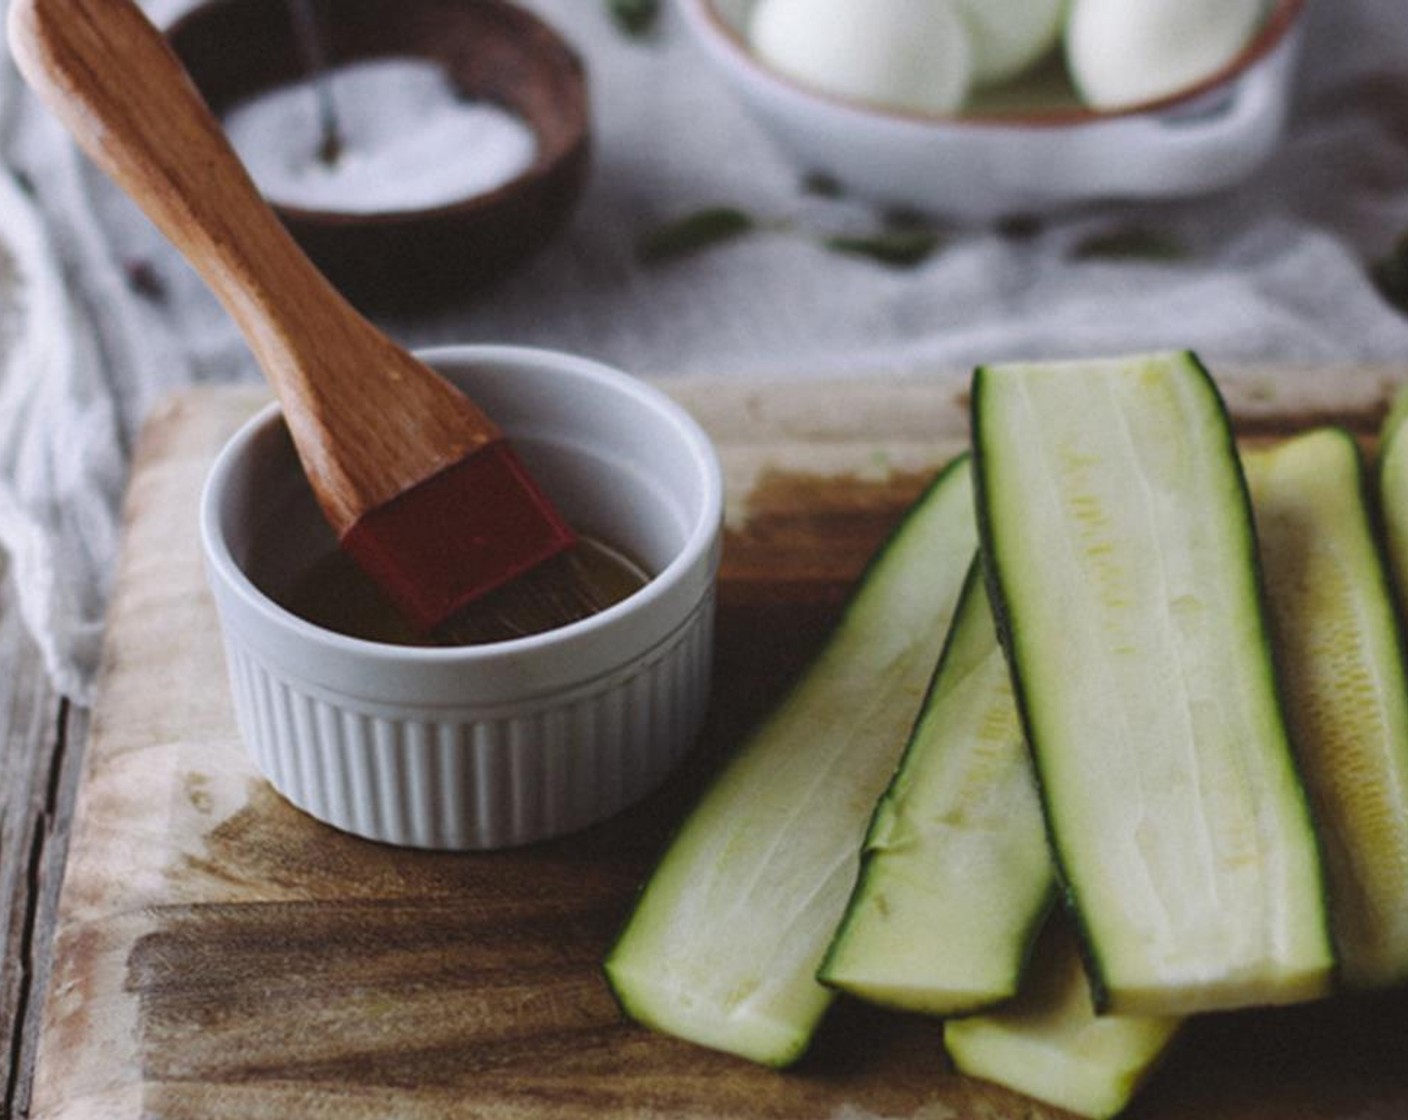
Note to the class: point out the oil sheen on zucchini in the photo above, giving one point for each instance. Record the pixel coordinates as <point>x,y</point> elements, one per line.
<point>1122,563</point>
<point>723,945</point>
<point>1050,1044</point>
<point>1340,653</point>
<point>955,874</point>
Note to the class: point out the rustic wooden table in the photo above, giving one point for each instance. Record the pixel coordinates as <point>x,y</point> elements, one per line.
<point>797,433</point>
<point>43,738</point>
<point>45,734</point>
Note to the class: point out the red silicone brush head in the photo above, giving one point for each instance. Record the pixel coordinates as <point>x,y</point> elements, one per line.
<point>460,534</point>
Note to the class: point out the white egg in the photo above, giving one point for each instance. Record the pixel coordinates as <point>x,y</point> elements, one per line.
<point>906,54</point>
<point>1121,52</point>
<point>1008,36</point>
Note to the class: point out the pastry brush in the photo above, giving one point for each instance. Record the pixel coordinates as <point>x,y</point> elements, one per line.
<point>420,486</point>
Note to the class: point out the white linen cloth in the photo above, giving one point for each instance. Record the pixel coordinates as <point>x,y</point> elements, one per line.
<point>1276,269</point>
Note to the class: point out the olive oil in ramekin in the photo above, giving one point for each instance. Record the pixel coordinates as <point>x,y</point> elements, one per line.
<point>335,594</point>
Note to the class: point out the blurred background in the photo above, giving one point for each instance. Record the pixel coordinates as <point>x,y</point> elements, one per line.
<point>699,246</point>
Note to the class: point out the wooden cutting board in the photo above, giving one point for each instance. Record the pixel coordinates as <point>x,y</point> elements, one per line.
<point>220,955</point>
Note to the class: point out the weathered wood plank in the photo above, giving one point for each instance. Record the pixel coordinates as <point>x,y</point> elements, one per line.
<point>39,733</point>
<point>220,955</point>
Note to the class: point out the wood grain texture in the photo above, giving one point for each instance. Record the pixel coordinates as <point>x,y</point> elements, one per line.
<point>37,782</point>
<point>219,954</point>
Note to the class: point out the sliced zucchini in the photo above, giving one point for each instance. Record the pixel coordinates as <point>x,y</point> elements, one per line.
<point>1122,562</point>
<point>1340,654</point>
<point>955,873</point>
<point>724,943</point>
<point>1051,1045</point>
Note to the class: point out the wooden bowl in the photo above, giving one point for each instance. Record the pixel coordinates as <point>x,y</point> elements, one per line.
<point>491,51</point>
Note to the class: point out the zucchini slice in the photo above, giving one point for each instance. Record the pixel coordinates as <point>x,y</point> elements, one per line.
<point>1122,564</point>
<point>1341,659</point>
<point>955,874</point>
<point>723,945</point>
<point>1051,1045</point>
<point>1392,477</point>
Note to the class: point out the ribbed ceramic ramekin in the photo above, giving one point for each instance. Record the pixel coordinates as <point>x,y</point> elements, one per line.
<point>494,745</point>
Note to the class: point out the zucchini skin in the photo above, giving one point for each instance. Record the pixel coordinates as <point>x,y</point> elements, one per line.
<point>1306,971</point>
<point>956,877</point>
<point>1002,622</point>
<point>1391,496</point>
<point>1341,652</point>
<point>723,943</point>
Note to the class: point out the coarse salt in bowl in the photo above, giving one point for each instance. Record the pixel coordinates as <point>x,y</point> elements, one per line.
<point>406,139</point>
<point>433,193</point>
<point>489,746</point>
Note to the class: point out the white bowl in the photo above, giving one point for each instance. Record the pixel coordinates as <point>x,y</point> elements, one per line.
<point>493,745</point>
<point>992,163</point>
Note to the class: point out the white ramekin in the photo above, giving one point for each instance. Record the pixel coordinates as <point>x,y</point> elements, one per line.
<point>495,745</point>
<point>985,166</point>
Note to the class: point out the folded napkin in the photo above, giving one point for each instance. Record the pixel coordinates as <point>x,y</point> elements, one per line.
<point>81,361</point>
<point>99,317</point>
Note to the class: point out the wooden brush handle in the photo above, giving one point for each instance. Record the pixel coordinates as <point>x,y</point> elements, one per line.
<point>368,418</point>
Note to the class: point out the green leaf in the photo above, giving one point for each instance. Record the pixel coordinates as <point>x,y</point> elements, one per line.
<point>903,248</point>
<point>1391,275</point>
<point>1019,227</point>
<point>694,232</point>
<point>634,17</point>
<point>1131,243</point>
<point>822,185</point>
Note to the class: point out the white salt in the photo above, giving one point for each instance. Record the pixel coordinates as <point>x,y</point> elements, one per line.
<point>410,141</point>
